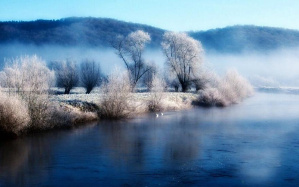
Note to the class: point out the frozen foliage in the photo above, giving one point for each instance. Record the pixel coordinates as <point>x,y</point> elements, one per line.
<point>27,75</point>
<point>232,89</point>
<point>67,75</point>
<point>26,106</point>
<point>130,50</point>
<point>183,57</point>
<point>66,115</point>
<point>116,96</point>
<point>203,80</point>
<point>28,80</point>
<point>149,75</point>
<point>90,75</point>
<point>14,115</point>
<point>171,80</point>
<point>155,102</point>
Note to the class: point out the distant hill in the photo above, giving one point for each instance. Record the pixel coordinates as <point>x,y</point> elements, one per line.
<point>247,38</point>
<point>101,31</point>
<point>72,31</point>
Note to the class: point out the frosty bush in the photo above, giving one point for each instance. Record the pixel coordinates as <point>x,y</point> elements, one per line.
<point>116,96</point>
<point>232,89</point>
<point>155,102</point>
<point>29,79</point>
<point>14,115</point>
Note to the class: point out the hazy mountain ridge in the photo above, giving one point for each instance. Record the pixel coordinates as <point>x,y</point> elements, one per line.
<point>247,38</point>
<point>72,31</point>
<point>101,31</point>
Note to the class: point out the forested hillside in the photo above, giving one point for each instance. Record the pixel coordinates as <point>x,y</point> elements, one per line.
<point>93,32</point>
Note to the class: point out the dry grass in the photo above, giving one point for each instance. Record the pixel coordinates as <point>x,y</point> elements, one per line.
<point>65,115</point>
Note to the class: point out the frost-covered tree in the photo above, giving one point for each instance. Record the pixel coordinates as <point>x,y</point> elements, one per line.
<point>184,57</point>
<point>130,50</point>
<point>90,75</point>
<point>27,74</point>
<point>67,75</point>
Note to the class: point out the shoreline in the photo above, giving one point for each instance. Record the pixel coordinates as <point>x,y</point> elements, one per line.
<point>84,108</point>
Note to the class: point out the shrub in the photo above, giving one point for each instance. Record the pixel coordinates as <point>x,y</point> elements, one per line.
<point>155,102</point>
<point>202,80</point>
<point>232,89</point>
<point>14,114</point>
<point>29,79</point>
<point>40,111</point>
<point>115,103</point>
<point>65,115</point>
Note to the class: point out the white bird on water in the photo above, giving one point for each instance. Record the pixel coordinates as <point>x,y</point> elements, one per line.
<point>162,114</point>
<point>157,115</point>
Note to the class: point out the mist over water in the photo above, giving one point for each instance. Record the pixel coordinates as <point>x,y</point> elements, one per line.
<point>274,69</point>
<point>105,56</point>
<point>271,69</point>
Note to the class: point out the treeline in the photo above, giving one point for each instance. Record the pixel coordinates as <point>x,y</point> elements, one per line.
<point>183,62</point>
<point>100,32</point>
<point>27,80</point>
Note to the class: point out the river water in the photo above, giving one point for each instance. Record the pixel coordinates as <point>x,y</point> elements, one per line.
<point>255,143</point>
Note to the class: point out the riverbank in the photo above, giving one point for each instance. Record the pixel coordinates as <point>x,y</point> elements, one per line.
<point>171,101</point>
<point>60,111</point>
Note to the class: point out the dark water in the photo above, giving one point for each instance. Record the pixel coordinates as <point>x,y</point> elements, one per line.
<point>255,143</point>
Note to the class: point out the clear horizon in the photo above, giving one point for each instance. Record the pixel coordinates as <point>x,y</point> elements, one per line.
<point>175,15</point>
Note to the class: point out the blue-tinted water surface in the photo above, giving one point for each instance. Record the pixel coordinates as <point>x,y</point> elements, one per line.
<point>255,143</point>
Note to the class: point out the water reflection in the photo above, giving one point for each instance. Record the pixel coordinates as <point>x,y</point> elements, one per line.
<point>23,160</point>
<point>247,144</point>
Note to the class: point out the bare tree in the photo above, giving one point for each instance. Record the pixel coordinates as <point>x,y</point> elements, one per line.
<point>90,75</point>
<point>130,50</point>
<point>67,75</point>
<point>183,55</point>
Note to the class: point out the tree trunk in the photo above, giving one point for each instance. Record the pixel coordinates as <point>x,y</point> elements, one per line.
<point>184,87</point>
<point>67,91</point>
<point>88,90</point>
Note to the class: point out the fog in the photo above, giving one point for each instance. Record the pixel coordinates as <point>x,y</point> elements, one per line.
<point>272,69</point>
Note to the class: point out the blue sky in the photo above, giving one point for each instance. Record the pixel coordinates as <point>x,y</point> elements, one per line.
<point>176,15</point>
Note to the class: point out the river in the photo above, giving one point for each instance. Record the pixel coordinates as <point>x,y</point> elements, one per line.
<point>255,143</point>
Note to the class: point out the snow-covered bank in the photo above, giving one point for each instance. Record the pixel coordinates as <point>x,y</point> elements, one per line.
<point>171,100</point>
